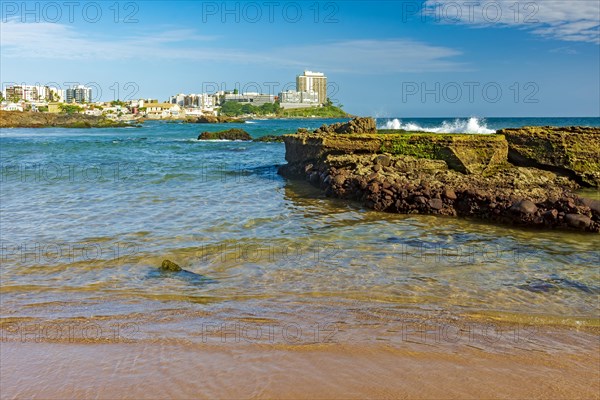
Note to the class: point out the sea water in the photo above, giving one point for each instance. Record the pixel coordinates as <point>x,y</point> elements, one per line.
<point>88,215</point>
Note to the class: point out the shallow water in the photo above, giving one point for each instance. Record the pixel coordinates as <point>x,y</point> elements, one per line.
<point>88,216</point>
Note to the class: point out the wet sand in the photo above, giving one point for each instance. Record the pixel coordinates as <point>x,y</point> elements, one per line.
<point>153,369</point>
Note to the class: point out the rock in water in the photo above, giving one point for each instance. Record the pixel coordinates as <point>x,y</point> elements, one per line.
<point>524,207</point>
<point>229,134</point>
<point>356,125</point>
<point>578,220</point>
<point>168,265</point>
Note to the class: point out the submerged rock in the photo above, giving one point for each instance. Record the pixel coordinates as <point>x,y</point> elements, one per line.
<point>269,139</point>
<point>168,265</point>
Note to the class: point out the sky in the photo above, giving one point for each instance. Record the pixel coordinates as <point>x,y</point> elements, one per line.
<point>430,58</point>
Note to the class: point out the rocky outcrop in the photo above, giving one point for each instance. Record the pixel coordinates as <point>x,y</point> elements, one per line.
<point>355,125</point>
<point>269,139</point>
<point>18,119</point>
<point>229,134</point>
<point>456,175</point>
<point>464,153</point>
<point>568,151</point>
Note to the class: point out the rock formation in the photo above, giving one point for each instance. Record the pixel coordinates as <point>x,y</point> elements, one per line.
<point>229,134</point>
<point>446,174</point>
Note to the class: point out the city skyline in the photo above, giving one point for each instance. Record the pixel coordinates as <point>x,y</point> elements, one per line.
<point>420,58</point>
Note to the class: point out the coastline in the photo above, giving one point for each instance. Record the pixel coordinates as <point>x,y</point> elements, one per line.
<point>24,119</point>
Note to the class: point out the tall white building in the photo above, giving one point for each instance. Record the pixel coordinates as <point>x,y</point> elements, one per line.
<point>313,82</point>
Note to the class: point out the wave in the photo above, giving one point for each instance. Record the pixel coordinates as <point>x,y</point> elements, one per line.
<point>472,125</point>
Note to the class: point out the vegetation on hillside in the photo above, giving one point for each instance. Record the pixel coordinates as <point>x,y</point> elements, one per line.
<point>328,110</point>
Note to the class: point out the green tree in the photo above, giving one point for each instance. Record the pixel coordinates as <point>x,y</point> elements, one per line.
<point>231,108</point>
<point>248,109</point>
<point>235,91</point>
<point>70,108</point>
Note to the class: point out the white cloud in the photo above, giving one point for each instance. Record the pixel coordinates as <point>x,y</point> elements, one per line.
<point>563,20</point>
<point>56,41</point>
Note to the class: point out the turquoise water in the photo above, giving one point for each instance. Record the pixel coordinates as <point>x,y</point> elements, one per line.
<point>87,216</point>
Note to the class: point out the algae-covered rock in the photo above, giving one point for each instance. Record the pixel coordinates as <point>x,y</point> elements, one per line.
<point>168,265</point>
<point>269,139</point>
<point>463,153</point>
<point>229,134</point>
<point>570,151</point>
<point>355,125</point>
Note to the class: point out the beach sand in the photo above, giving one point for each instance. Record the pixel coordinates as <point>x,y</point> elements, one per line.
<point>410,369</point>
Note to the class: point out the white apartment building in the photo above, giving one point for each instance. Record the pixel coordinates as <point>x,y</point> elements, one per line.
<point>313,82</point>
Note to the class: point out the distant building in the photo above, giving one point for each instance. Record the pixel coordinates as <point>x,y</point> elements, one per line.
<point>313,82</point>
<point>162,110</point>
<point>256,99</point>
<point>78,94</point>
<point>13,107</point>
<point>32,93</point>
<point>294,99</point>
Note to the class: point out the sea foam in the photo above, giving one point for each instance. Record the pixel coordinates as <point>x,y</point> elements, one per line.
<point>472,125</point>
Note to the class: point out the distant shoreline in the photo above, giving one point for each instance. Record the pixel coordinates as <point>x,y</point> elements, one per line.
<point>26,119</point>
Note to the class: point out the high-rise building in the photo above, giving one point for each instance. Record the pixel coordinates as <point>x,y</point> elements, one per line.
<point>31,93</point>
<point>313,82</point>
<point>79,94</point>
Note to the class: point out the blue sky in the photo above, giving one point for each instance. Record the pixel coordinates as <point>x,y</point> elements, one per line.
<point>393,58</point>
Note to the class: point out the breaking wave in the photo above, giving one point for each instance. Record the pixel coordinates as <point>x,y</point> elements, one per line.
<point>472,125</point>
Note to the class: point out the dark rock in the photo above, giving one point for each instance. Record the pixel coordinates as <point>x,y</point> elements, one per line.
<point>436,204</point>
<point>578,220</point>
<point>593,205</point>
<point>420,200</point>
<point>524,207</point>
<point>449,194</point>
<point>551,215</point>
<point>229,134</point>
<point>168,265</point>
<point>314,177</point>
<point>269,139</point>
